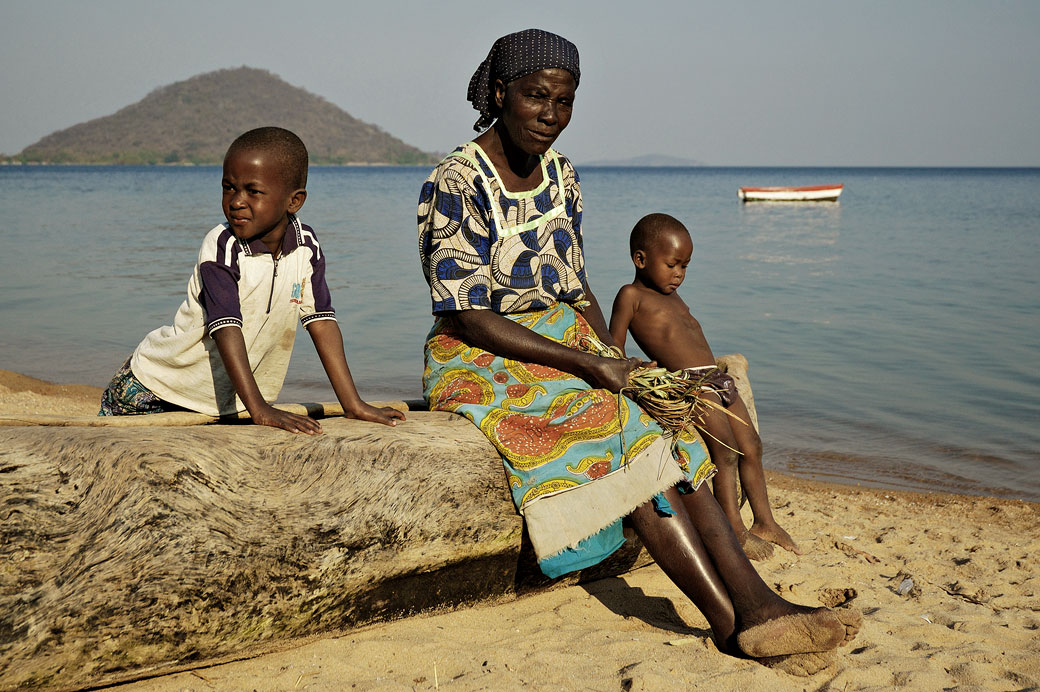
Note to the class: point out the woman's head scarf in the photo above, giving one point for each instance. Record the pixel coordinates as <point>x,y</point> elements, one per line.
<point>514,56</point>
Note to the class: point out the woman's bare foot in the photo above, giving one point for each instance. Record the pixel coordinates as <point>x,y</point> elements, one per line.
<point>806,630</point>
<point>774,534</point>
<point>754,547</point>
<point>851,618</point>
<point>801,665</point>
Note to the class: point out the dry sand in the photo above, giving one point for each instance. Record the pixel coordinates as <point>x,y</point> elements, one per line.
<point>948,585</point>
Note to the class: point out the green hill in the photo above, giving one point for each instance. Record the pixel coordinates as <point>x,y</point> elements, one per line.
<point>194,121</point>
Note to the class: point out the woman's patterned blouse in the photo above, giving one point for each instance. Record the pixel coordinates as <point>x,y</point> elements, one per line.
<point>485,248</point>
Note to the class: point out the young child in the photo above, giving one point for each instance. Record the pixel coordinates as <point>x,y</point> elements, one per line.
<point>257,275</point>
<point>663,327</point>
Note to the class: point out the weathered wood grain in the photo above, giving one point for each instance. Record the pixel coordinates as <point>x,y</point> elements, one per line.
<point>127,551</point>
<point>124,549</point>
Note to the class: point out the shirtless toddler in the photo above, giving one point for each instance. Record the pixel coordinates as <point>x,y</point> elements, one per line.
<point>663,327</point>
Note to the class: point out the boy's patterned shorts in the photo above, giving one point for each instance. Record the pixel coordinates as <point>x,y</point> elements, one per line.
<point>126,396</point>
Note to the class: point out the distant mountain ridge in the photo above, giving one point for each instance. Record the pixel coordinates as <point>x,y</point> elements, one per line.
<point>194,121</point>
<point>649,160</point>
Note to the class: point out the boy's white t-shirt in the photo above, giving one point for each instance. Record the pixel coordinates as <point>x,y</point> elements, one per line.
<point>236,285</point>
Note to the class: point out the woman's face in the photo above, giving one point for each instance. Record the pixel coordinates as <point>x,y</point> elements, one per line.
<point>536,108</point>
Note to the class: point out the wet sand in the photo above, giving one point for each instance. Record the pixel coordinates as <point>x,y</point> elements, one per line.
<point>948,585</point>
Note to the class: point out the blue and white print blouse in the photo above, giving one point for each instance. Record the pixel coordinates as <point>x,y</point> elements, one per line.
<point>483,247</point>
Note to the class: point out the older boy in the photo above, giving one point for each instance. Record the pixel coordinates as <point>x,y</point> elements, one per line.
<point>257,275</point>
<point>663,327</point>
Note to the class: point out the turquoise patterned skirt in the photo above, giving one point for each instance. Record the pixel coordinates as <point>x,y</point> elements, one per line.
<point>577,459</point>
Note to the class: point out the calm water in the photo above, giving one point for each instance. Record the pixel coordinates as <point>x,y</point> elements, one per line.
<point>894,338</point>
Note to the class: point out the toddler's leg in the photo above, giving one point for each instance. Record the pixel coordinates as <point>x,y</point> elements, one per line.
<point>722,445</point>
<point>753,479</point>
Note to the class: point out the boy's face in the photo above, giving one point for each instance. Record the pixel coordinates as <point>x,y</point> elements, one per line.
<point>662,266</point>
<point>257,200</point>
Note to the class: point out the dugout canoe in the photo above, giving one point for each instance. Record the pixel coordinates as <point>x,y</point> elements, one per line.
<point>177,541</point>
<point>809,193</point>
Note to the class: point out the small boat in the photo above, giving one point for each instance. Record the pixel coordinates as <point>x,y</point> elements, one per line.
<point>811,193</point>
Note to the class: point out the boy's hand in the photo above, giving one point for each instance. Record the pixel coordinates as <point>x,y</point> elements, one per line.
<point>294,423</point>
<point>385,415</point>
<point>232,348</point>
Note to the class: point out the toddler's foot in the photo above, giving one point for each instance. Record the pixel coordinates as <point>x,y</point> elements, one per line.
<point>774,534</point>
<point>754,547</point>
<point>810,630</point>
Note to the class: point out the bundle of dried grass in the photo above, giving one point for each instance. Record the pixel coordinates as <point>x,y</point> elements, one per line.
<point>674,398</point>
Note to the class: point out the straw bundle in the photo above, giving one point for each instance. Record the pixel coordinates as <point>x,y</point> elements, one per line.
<point>674,398</point>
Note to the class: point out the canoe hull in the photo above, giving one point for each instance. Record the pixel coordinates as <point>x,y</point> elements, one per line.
<point>812,193</point>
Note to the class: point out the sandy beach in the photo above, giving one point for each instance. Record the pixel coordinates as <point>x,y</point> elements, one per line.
<point>948,586</point>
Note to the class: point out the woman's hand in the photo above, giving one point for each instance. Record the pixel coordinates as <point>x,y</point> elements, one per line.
<point>611,373</point>
<point>385,415</point>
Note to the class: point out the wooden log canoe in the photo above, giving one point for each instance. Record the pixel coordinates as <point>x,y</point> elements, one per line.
<point>133,550</point>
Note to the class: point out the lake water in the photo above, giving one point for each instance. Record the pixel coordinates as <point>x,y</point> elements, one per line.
<point>894,337</point>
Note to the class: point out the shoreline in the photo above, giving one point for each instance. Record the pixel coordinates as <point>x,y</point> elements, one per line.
<point>883,481</point>
<point>948,585</point>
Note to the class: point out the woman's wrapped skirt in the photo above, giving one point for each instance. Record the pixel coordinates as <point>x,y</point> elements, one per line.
<point>577,459</point>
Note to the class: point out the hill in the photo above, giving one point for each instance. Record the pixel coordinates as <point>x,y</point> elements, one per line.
<point>194,121</point>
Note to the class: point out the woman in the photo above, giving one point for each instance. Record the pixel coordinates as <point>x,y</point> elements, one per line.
<point>500,241</point>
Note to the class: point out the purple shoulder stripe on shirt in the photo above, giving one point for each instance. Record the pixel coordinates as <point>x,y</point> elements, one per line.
<point>319,288</point>
<point>306,237</point>
<point>228,250</point>
<point>219,293</point>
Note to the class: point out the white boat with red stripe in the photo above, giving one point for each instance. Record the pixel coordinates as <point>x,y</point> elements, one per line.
<point>809,193</point>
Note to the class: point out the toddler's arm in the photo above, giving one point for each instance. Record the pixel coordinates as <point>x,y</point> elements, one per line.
<point>328,342</point>
<point>621,315</point>
<point>232,348</point>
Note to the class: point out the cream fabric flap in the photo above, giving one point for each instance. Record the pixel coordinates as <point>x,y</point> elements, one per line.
<point>561,520</point>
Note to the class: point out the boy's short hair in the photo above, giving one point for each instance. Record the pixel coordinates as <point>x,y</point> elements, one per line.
<point>650,229</point>
<point>288,150</point>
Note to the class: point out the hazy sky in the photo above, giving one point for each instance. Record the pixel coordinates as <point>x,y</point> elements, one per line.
<point>828,82</point>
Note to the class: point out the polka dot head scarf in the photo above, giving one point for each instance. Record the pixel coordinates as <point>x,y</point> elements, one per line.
<point>514,56</point>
